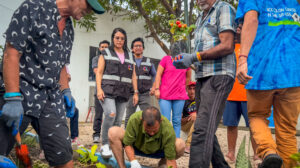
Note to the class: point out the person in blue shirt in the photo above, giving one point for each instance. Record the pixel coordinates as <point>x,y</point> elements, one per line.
<point>269,67</point>
<point>146,73</point>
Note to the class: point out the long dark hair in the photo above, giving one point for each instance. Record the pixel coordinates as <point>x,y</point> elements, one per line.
<point>125,48</point>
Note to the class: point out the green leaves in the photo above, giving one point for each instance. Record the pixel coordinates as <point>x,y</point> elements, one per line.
<point>242,160</point>
<point>88,22</point>
<point>86,156</point>
<point>156,14</point>
<point>93,158</point>
<point>296,157</point>
<point>100,165</point>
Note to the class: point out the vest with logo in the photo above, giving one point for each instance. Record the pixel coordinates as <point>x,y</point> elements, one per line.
<point>117,77</point>
<point>143,75</point>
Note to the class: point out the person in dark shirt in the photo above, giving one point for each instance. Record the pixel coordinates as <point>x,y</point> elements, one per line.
<point>146,72</point>
<point>189,114</point>
<point>98,108</point>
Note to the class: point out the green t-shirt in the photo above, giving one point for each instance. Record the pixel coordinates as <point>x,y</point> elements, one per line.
<point>164,140</point>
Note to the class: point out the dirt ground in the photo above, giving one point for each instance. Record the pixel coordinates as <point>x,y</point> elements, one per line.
<point>85,137</point>
<point>86,130</point>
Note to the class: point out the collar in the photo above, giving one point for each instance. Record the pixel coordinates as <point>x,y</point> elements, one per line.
<point>137,58</point>
<point>211,9</point>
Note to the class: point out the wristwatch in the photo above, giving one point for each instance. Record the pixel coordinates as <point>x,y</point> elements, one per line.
<point>136,91</point>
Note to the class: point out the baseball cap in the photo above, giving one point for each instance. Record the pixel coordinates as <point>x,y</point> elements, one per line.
<point>192,83</point>
<point>97,8</point>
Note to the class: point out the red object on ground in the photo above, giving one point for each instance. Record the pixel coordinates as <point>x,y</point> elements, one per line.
<point>22,152</point>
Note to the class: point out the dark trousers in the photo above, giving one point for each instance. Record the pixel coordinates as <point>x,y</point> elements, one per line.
<point>97,118</point>
<point>211,95</point>
<point>144,102</point>
<point>74,125</point>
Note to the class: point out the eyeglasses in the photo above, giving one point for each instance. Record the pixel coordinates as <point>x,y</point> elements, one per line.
<point>120,38</point>
<point>138,46</point>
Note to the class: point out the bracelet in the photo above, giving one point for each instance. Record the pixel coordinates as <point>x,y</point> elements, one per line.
<point>136,91</point>
<point>199,56</point>
<point>12,94</point>
<point>243,56</point>
<point>156,88</point>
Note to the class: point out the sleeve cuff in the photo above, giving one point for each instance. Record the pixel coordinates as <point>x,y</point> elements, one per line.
<point>226,28</point>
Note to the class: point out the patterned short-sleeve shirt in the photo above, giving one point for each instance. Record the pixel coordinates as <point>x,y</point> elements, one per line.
<point>220,18</point>
<point>33,31</point>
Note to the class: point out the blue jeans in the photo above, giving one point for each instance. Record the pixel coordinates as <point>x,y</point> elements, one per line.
<point>176,106</point>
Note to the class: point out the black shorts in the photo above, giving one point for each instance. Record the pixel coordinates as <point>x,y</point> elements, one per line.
<point>53,133</point>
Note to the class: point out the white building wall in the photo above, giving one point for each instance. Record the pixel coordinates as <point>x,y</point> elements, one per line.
<point>7,9</point>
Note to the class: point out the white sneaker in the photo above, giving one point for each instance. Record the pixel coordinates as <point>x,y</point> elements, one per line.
<point>105,151</point>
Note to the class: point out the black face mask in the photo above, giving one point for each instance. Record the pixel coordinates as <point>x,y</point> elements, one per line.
<point>178,48</point>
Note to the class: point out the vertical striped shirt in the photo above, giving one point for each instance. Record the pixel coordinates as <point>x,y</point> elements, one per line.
<point>219,18</point>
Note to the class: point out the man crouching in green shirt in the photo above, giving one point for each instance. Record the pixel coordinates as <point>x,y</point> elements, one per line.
<point>147,134</point>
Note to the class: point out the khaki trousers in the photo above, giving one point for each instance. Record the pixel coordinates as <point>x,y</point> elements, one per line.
<point>188,128</point>
<point>286,105</point>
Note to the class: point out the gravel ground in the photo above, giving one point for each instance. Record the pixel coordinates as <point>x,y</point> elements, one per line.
<point>86,130</point>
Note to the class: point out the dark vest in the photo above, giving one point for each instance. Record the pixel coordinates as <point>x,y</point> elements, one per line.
<point>144,76</point>
<point>117,77</point>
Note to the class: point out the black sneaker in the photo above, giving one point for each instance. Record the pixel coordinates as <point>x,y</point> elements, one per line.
<point>96,139</point>
<point>271,161</point>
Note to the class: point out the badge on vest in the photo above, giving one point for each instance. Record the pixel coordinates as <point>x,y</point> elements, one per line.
<point>145,69</point>
<point>130,68</point>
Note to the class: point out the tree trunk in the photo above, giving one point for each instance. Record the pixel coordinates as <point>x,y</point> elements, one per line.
<point>153,33</point>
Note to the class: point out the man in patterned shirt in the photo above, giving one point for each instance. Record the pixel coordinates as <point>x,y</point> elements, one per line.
<point>38,46</point>
<point>216,65</point>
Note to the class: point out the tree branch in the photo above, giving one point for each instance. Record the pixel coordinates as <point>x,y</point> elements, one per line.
<point>141,10</point>
<point>178,8</point>
<point>192,4</point>
<point>168,7</point>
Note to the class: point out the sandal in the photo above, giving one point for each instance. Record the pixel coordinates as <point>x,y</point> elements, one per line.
<point>228,160</point>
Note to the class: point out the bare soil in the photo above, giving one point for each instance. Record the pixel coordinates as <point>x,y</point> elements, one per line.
<point>85,137</point>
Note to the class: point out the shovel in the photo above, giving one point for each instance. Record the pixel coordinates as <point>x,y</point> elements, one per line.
<point>22,152</point>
